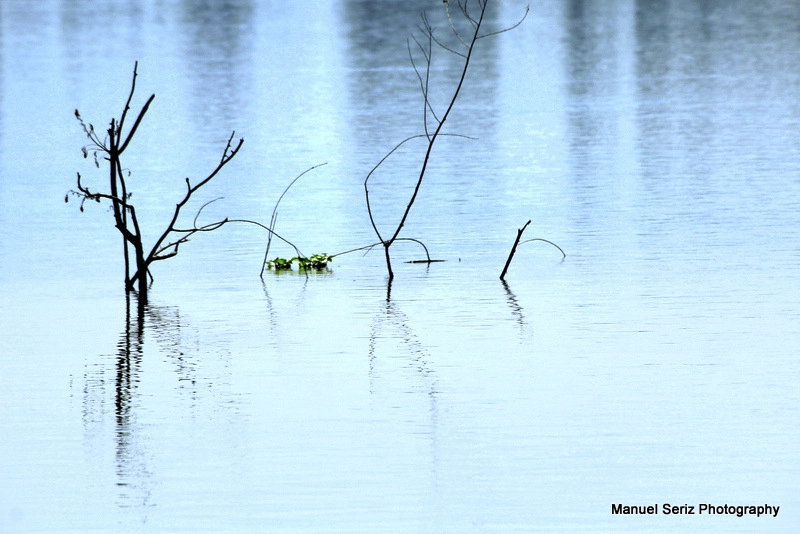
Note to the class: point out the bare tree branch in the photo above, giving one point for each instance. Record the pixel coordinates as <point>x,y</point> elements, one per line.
<point>508,29</point>
<point>476,22</point>
<point>125,219</point>
<point>227,155</point>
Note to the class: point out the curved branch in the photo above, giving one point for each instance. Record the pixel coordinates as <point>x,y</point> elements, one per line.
<point>453,27</point>
<point>194,223</point>
<point>563,254</point>
<point>508,29</point>
<point>274,216</point>
<point>384,158</point>
<point>274,234</point>
<point>369,247</point>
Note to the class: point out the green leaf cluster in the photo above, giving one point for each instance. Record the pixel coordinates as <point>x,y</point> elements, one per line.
<point>314,262</point>
<point>280,264</point>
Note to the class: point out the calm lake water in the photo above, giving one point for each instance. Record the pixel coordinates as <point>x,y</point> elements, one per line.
<point>658,143</point>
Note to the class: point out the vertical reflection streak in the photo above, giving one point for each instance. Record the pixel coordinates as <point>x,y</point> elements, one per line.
<point>391,324</point>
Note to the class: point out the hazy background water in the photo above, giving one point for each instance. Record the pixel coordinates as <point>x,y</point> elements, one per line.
<point>656,142</point>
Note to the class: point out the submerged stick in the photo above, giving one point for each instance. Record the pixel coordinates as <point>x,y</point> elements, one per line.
<point>513,250</point>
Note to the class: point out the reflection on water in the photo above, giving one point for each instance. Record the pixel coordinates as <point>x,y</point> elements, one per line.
<point>403,391</point>
<point>391,324</point>
<point>516,310</point>
<point>133,478</point>
<point>119,379</point>
<point>121,383</point>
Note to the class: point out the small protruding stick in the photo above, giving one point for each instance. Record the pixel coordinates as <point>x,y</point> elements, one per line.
<point>513,250</point>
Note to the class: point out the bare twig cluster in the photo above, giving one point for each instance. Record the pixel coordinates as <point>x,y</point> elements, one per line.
<point>472,15</point>
<point>110,148</point>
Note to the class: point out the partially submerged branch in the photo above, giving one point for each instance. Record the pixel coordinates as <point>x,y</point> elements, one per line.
<point>433,122</point>
<point>373,245</point>
<point>563,254</point>
<point>513,250</point>
<point>111,149</point>
<point>382,160</point>
<point>517,243</point>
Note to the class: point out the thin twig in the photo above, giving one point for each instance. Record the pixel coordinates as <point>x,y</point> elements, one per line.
<point>373,245</point>
<point>452,26</point>
<point>274,216</point>
<point>563,254</point>
<point>275,234</point>
<point>384,158</point>
<point>130,97</point>
<point>504,30</point>
<point>201,209</point>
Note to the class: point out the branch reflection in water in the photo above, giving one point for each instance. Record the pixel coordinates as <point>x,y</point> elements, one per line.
<point>146,408</point>
<point>516,309</point>
<point>403,367</point>
<point>131,473</point>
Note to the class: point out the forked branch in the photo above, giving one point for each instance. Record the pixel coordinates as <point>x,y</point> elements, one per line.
<point>474,20</point>
<point>227,154</point>
<point>125,220</point>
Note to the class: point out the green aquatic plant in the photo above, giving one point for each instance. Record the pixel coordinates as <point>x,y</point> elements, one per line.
<point>279,264</point>
<point>315,262</point>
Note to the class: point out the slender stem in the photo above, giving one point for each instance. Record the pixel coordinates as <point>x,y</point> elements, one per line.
<point>272,233</point>
<point>136,124</point>
<point>130,97</point>
<point>274,216</point>
<point>563,254</point>
<point>366,247</point>
<point>388,262</point>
